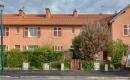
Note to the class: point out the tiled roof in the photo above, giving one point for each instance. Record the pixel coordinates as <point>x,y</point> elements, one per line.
<point>55,19</point>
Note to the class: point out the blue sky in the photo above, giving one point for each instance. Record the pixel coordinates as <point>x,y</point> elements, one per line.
<point>65,6</point>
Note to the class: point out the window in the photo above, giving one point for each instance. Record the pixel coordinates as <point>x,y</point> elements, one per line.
<point>5,31</point>
<point>32,32</point>
<point>57,32</point>
<point>29,47</point>
<point>57,48</point>
<point>126,30</point>
<point>17,46</point>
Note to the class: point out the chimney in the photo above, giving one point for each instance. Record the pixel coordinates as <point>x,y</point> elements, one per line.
<point>75,13</point>
<point>48,13</point>
<point>21,12</point>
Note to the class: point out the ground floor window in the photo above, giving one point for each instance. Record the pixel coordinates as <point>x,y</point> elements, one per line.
<point>58,48</point>
<point>17,46</point>
<point>29,47</point>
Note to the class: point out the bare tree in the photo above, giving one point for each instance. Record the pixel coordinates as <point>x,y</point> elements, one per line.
<point>94,38</point>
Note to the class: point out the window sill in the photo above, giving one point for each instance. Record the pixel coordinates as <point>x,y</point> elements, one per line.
<point>57,37</point>
<point>32,37</point>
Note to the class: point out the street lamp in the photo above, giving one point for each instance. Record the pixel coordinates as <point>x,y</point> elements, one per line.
<point>1,31</point>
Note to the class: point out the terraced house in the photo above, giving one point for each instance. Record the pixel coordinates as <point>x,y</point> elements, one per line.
<point>27,31</point>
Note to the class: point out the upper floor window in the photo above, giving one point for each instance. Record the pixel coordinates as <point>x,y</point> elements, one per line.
<point>57,32</point>
<point>126,30</point>
<point>32,31</point>
<point>5,31</point>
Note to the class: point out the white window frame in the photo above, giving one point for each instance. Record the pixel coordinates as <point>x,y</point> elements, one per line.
<point>57,31</point>
<point>57,48</point>
<point>128,28</point>
<point>29,35</point>
<point>30,48</point>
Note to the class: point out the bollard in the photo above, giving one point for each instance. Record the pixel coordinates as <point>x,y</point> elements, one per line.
<point>106,67</point>
<point>62,66</point>
<point>25,65</point>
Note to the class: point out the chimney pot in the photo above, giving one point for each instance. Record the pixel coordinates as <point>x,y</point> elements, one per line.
<point>75,13</point>
<point>48,12</point>
<point>21,12</point>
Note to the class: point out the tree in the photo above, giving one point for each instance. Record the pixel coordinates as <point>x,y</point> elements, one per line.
<point>94,38</point>
<point>76,45</point>
<point>117,50</point>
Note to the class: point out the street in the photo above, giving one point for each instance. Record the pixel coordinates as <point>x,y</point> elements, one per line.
<point>64,75</point>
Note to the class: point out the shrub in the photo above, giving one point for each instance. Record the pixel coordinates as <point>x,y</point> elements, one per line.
<point>117,50</point>
<point>13,58</point>
<point>56,65</point>
<point>44,55</point>
<point>89,66</point>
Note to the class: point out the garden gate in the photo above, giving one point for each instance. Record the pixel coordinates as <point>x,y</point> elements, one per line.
<point>75,64</point>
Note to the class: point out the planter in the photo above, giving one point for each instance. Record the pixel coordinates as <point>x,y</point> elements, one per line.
<point>46,66</point>
<point>106,67</point>
<point>96,66</point>
<point>25,65</point>
<point>62,66</point>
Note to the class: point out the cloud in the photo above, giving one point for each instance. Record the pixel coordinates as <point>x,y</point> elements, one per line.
<point>65,6</point>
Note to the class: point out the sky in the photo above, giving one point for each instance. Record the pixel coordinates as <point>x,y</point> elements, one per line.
<point>64,6</point>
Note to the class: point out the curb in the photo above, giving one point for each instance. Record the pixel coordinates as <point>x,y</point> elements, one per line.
<point>66,77</point>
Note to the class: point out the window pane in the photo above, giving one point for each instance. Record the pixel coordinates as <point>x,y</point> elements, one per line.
<point>55,28</point>
<point>17,46</point>
<point>33,32</point>
<point>32,47</point>
<point>59,33</point>
<point>125,31</point>
<point>55,33</point>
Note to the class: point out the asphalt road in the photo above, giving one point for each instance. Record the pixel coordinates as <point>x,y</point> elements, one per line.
<point>14,73</point>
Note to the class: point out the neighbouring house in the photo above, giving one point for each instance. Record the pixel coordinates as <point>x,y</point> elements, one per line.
<point>120,26</point>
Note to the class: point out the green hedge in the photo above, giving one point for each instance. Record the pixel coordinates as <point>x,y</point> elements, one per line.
<point>14,58</point>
